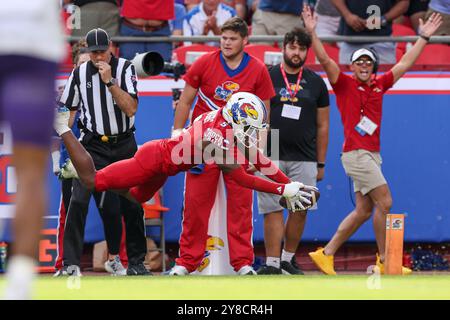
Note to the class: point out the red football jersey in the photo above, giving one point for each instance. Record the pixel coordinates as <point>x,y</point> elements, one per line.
<point>216,82</point>
<point>185,151</point>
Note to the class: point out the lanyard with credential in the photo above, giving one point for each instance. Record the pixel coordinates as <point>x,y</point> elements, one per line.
<point>297,85</point>
<point>364,104</point>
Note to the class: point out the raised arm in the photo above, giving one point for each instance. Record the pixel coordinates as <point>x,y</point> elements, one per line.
<point>426,30</point>
<point>328,64</point>
<point>127,103</point>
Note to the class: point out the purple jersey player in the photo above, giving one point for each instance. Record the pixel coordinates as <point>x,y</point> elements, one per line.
<point>32,45</point>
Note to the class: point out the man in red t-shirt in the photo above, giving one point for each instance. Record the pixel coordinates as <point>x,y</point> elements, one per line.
<point>213,78</point>
<point>359,100</point>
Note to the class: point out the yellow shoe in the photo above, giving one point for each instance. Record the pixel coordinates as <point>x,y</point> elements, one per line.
<point>405,271</point>
<point>323,262</point>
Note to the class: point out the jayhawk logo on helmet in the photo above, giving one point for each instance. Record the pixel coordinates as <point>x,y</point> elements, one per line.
<point>241,111</point>
<point>250,111</point>
<point>224,91</point>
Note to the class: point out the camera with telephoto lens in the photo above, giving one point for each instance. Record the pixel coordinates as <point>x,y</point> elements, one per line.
<point>175,68</point>
<point>152,63</point>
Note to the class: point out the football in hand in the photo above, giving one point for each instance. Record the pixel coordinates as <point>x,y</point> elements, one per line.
<point>315,195</point>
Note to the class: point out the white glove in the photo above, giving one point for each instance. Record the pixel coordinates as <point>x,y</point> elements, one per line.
<point>61,123</point>
<point>176,132</point>
<point>68,171</point>
<point>302,197</point>
<point>292,188</point>
<point>309,188</point>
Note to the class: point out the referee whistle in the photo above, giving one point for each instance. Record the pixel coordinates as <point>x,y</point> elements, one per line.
<point>105,139</point>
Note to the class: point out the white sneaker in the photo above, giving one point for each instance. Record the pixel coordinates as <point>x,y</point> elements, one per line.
<point>178,271</point>
<point>61,272</point>
<point>72,270</point>
<point>115,267</point>
<point>19,278</point>
<point>246,271</point>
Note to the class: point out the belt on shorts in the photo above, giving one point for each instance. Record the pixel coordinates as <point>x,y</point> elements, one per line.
<point>115,138</point>
<point>143,27</point>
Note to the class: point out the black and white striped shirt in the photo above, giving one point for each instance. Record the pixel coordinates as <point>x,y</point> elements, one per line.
<point>99,112</point>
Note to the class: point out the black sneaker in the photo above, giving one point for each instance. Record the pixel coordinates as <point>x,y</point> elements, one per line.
<point>138,270</point>
<point>290,267</point>
<point>265,270</point>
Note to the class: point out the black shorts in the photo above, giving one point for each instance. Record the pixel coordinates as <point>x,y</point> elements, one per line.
<point>417,6</point>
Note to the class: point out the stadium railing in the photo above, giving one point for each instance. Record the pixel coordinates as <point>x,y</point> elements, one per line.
<point>434,57</point>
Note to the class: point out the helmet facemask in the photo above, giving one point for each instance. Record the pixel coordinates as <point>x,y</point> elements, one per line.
<point>248,136</point>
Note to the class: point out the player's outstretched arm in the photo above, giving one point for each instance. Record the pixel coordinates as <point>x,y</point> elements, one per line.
<point>81,159</point>
<point>266,166</point>
<point>297,195</point>
<point>328,64</point>
<point>426,30</point>
<point>238,174</point>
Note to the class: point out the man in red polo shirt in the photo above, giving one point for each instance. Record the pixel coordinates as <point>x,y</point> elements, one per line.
<point>359,98</point>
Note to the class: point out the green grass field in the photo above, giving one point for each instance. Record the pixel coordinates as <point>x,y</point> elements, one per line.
<point>236,288</point>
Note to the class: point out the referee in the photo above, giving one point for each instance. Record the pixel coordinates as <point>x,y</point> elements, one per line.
<point>105,88</point>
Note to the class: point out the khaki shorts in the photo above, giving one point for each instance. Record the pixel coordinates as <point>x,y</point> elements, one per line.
<point>302,171</point>
<point>364,167</point>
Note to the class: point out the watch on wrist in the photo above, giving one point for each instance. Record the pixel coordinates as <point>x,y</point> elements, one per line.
<point>384,21</point>
<point>320,165</point>
<point>427,39</point>
<point>111,82</point>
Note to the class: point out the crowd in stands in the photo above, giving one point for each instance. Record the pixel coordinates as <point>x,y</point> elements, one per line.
<point>155,18</point>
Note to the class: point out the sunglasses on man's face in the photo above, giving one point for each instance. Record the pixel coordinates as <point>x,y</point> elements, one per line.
<point>360,63</point>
